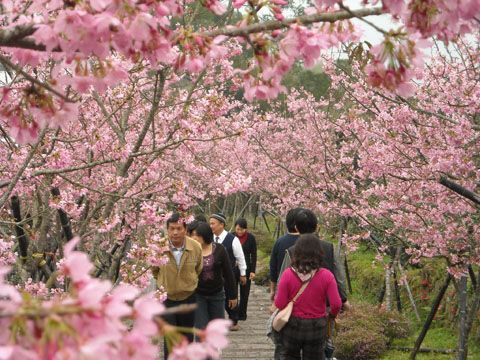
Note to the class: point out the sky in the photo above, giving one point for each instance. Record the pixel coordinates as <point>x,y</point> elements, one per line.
<point>371,35</point>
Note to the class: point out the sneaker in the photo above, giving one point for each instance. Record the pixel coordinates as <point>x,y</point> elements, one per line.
<point>235,327</point>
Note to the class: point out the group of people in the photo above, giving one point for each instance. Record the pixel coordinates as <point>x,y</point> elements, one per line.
<point>300,258</point>
<point>206,266</point>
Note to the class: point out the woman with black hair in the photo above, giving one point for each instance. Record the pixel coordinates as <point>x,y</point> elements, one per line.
<point>305,333</point>
<point>249,247</point>
<point>215,273</point>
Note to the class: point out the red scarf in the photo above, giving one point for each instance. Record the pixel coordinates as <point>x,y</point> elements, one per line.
<point>243,238</point>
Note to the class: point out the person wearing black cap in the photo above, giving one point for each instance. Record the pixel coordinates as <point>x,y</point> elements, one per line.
<point>234,250</point>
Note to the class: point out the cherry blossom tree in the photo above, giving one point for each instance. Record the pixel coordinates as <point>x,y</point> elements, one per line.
<point>95,44</point>
<point>381,160</point>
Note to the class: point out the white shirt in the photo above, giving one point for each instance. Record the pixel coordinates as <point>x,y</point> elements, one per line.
<point>237,251</point>
<point>177,252</point>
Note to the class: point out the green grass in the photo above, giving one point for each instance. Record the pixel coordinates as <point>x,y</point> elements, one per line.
<point>367,281</point>
<point>437,338</point>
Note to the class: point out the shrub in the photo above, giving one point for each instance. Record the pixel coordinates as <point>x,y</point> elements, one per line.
<point>365,332</point>
<point>396,326</point>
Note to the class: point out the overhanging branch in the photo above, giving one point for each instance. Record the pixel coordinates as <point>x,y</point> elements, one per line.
<point>302,20</point>
<point>19,36</point>
<point>460,190</point>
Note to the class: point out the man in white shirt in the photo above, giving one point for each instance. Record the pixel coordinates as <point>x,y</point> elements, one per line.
<point>235,253</point>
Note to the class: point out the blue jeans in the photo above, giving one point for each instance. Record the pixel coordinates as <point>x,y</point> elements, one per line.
<point>209,307</point>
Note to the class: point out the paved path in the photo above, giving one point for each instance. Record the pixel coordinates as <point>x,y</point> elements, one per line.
<point>250,342</point>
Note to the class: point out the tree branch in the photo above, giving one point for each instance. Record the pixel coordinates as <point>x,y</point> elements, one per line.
<point>304,20</point>
<point>460,190</point>
<point>20,171</point>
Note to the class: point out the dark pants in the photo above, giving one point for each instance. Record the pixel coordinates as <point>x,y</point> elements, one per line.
<point>185,319</point>
<point>304,339</point>
<point>277,340</point>
<point>209,307</point>
<point>233,313</point>
<point>242,307</point>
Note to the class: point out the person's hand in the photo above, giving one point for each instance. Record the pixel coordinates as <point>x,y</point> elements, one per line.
<point>346,306</point>
<point>232,303</point>
<point>252,276</point>
<point>272,308</point>
<point>243,280</point>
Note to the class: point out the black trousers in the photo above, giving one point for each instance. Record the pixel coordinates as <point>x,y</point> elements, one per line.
<point>233,313</point>
<point>186,319</point>
<point>303,339</point>
<point>244,293</point>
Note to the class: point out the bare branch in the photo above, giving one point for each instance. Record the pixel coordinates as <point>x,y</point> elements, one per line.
<point>30,78</point>
<point>304,20</point>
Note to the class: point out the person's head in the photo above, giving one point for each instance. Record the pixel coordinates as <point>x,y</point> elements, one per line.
<point>305,221</point>
<point>240,227</point>
<point>307,254</point>
<point>191,226</point>
<point>176,229</point>
<point>202,233</point>
<point>200,218</point>
<point>290,220</point>
<point>217,223</point>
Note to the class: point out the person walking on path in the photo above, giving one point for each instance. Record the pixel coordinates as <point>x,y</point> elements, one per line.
<point>306,223</point>
<point>234,250</point>
<point>304,336</point>
<point>216,274</point>
<point>276,260</point>
<point>278,251</point>
<point>179,276</point>
<point>249,247</point>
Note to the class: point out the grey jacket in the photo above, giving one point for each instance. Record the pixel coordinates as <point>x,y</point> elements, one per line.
<point>330,262</point>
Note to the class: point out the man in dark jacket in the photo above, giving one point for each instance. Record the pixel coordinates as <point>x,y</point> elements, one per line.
<point>279,248</point>
<point>306,223</point>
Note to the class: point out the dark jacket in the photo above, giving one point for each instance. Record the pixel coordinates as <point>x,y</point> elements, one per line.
<point>250,252</point>
<point>222,275</point>
<point>328,263</point>
<point>278,253</point>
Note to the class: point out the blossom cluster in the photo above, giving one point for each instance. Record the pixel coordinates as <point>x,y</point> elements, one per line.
<point>65,50</point>
<point>90,321</point>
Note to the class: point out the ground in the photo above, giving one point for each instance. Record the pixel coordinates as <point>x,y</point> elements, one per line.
<point>251,342</point>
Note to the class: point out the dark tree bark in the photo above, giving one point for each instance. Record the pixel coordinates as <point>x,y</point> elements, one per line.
<point>459,189</point>
<point>21,236</point>
<point>430,317</point>
<point>64,220</point>
<point>462,326</point>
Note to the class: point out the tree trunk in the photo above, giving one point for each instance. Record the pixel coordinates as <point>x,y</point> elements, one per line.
<point>21,236</point>
<point>347,274</point>
<point>409,291</point>
<point>397,290</point>
<point>462,306</point>
<point>388,289</point>
<point>430,317</point>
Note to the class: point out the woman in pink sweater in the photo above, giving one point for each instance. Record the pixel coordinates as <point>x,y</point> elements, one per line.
<point>303,337</point>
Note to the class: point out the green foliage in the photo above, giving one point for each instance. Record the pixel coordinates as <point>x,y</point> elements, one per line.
<point>316,83</point>
<point>367,276</point>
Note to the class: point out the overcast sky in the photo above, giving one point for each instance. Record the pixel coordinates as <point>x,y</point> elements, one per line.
<point>384,22</point>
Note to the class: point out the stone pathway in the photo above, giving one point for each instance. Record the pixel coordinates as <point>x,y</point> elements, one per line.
<point>250,342</point>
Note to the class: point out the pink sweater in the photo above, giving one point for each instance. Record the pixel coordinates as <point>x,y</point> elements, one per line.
<point>311,304</point>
